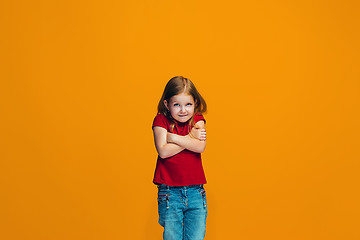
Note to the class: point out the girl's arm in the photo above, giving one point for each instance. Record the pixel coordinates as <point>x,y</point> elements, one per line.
<point>163,147</point>
<point>197,144</point>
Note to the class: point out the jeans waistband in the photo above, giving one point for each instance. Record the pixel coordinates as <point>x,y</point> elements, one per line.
<point>163,186</point>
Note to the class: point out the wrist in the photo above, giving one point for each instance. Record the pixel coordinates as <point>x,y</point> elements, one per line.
<point>170,137</point>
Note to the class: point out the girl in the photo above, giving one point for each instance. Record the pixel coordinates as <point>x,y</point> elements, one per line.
<point>180,138</point>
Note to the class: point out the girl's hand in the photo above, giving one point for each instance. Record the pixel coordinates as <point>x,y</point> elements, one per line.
<point>199,133</point>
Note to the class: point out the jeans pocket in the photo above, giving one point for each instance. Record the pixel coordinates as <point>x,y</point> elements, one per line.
<point>163,198</point>
<point>203,195</point>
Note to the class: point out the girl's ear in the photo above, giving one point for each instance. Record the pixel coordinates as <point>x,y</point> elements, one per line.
<point>166,104</point>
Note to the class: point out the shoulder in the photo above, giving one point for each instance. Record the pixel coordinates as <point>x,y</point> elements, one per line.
<point>161,117</point>
<point>199,118</point>
<point>161,121</point>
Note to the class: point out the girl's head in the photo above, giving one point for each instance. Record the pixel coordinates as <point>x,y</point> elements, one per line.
<point>180,100</point>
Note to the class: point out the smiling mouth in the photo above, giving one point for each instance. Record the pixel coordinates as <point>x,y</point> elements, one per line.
<point>182,115</point>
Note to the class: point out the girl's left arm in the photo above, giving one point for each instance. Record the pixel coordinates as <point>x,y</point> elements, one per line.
<point>195,144</point>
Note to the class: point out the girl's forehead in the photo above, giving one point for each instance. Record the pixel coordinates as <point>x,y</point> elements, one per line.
<point>182,97</point>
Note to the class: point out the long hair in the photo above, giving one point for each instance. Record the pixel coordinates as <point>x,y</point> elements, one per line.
<point>178,85</point>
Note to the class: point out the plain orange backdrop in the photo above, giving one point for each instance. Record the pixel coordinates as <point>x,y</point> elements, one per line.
<point>80,82</point>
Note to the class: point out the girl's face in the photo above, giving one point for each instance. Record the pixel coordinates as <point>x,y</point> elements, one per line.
<point>181,107</point>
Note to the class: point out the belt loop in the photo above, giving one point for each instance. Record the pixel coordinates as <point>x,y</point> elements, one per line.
<point>168,187</point>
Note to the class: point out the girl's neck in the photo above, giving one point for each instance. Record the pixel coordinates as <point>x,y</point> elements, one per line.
<point>181,123</point>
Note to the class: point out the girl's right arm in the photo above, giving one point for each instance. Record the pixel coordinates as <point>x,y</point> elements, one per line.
<point>164,148</point>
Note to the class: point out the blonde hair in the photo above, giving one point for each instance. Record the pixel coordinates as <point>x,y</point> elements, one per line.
<point>178,85</point>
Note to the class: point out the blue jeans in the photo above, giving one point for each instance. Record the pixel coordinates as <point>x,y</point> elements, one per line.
<point>182,212</point>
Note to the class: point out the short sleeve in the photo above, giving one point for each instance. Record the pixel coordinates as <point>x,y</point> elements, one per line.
<point>199,117</point>
<point>160,121</point>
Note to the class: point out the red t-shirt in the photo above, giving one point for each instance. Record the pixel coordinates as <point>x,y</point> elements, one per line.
<point>184,168</point>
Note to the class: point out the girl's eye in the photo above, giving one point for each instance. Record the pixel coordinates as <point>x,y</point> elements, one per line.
<point>176,104</point>
<point>189,104</point>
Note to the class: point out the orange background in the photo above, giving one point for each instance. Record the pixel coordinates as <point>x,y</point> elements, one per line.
<point>80,81</point>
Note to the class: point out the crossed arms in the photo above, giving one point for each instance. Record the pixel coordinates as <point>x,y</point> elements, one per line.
<point>169,144</point>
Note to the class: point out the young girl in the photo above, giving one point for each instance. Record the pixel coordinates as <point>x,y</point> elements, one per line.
<point>180,138</point>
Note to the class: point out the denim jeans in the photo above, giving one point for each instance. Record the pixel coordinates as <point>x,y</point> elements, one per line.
<point>182,212</point>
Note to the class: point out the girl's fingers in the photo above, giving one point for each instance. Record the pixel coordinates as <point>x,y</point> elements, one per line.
<point>201,134</point>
